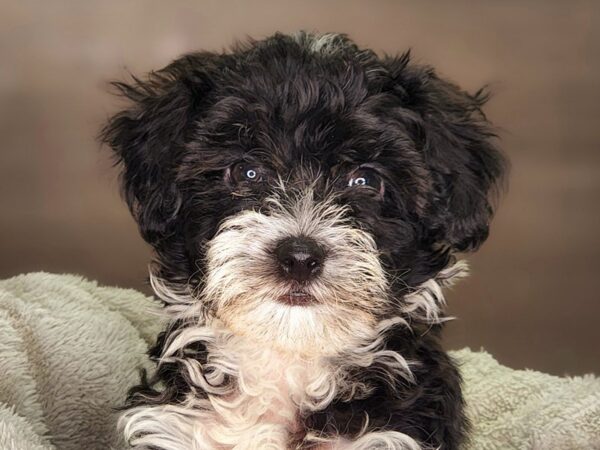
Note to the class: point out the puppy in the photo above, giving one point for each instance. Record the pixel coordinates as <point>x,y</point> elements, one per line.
<point>305,199</point>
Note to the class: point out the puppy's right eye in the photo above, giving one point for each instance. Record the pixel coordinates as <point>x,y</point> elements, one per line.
<point>248,172</point>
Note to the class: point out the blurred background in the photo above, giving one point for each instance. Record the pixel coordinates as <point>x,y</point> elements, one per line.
<point>533,297</point>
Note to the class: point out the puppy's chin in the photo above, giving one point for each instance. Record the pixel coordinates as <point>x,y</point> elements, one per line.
<point>306,328</point>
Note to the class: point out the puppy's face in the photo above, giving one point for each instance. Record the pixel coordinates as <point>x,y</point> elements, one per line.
<point>299,187</point>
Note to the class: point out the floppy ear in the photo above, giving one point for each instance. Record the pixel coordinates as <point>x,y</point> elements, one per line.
<point>149,136</point>
<point>457,144</point>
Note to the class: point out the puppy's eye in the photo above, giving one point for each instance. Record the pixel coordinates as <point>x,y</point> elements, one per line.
<point>358,181</point>
<point>249,172</point>
<point>366,178</point>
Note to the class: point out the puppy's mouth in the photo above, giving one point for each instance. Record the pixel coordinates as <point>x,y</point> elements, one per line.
<point>296,297</point>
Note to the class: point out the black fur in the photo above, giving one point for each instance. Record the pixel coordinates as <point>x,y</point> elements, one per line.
<point>430,410</point>
<point>293,112</point>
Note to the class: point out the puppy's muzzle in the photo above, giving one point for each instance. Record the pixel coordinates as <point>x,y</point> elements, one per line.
<point>300,259</point>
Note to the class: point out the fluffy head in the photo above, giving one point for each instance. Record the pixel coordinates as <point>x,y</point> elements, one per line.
<point>381,165</point>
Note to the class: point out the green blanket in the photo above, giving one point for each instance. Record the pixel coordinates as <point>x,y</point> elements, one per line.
<point>69,350</point>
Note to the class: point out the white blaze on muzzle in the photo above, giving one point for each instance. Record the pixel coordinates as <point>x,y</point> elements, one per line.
<point>244,282</point>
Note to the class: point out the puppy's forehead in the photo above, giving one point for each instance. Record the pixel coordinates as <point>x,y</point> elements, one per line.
<point>298,119</point>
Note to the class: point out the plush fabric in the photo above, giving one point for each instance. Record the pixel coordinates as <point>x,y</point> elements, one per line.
<point>69,350</point>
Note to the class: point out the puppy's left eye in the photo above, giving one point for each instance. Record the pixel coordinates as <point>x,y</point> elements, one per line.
<point>248,172</point>
<point>366,178</point>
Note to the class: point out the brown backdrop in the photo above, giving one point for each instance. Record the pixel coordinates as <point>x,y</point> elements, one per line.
<point>532,299</point>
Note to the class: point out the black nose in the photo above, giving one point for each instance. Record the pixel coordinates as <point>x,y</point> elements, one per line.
<point>300,258</point>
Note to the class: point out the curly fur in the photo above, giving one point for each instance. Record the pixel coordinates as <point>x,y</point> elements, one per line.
<point>361,365</point>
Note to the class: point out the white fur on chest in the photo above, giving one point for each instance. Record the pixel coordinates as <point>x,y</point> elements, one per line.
<point>271,388</point>
<point>248,395</point>
<point>254,396</point>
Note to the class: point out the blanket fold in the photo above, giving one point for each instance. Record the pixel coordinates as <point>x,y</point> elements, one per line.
<point>70,349</point>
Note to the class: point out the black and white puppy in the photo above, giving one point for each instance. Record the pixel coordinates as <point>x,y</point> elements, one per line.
<point>305,199</point>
